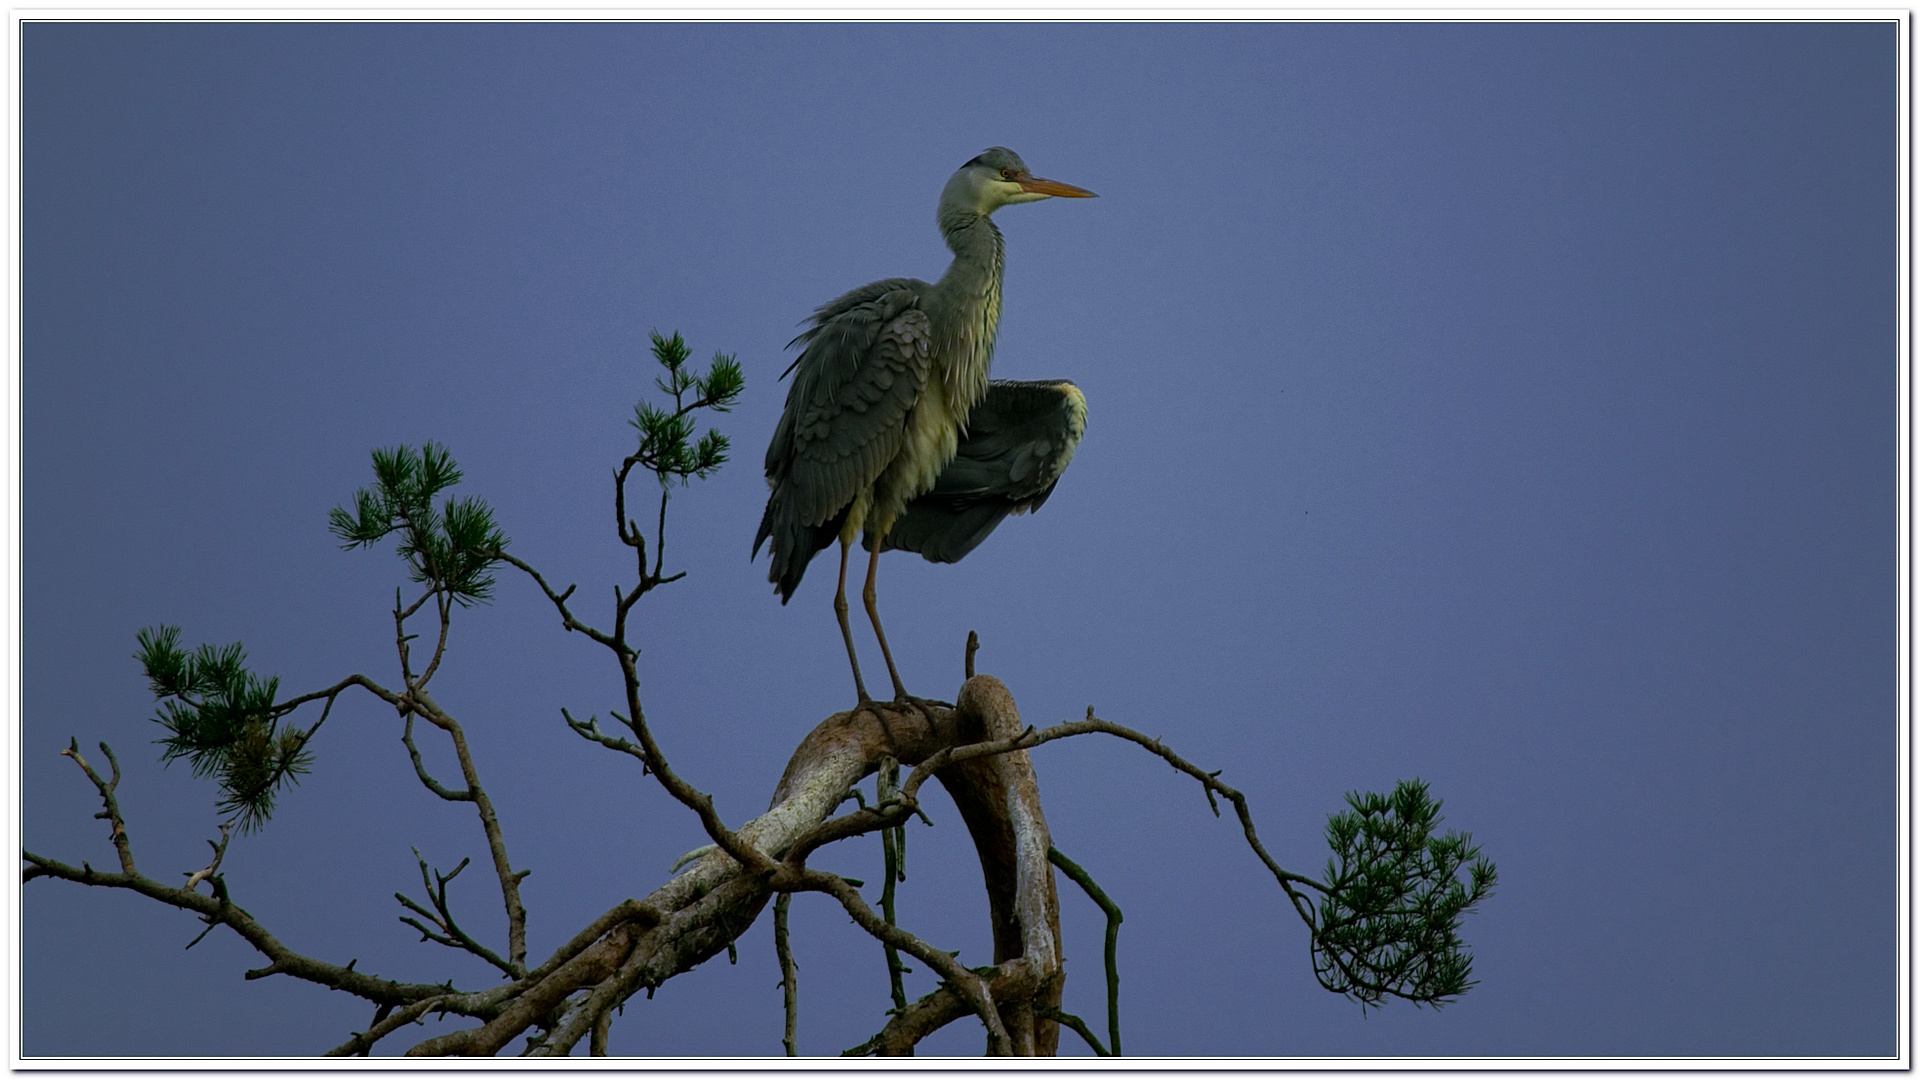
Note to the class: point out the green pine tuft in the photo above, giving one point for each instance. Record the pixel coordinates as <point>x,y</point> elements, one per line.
<point>222,720</point>
<point>668,447</point>
<point>1389,924</point>
<point>451,550</point>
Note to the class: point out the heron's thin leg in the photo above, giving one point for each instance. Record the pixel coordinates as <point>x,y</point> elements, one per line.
<point>846,632</point>
<point>873,613</point>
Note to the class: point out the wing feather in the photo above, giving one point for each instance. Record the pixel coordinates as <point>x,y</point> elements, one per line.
<point>865,362</point>
<point>1019,439</point>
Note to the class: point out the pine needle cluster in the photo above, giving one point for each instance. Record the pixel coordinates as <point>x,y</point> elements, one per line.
<point>451,550</point>
<point>667,446</point>
<point>1389,924</point>
<point>221,718</point>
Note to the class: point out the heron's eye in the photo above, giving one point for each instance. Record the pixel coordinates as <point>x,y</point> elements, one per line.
<point>1006,174</point>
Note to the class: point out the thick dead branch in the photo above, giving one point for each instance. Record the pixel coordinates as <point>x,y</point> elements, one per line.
<point>688,937</point>
<point>597,1041</point>
<point>992,784</point>
<point>696,916</point>
<point>998,797</point>
<point>712,901</point>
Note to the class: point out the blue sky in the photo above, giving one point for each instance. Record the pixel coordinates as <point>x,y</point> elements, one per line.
<point>1508,405</point>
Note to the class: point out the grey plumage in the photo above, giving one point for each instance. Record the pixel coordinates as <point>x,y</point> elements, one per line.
<point>1018,441</point>
<point>882,388</point>
<point>865,362</point>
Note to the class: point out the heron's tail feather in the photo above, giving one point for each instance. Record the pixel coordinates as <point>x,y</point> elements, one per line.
<point>793,544</point>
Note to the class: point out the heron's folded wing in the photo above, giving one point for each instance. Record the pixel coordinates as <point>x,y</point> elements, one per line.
<point>861,371</point>
<point>846,302</point>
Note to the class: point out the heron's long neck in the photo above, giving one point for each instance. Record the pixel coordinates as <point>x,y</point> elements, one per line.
<point>968,311</point>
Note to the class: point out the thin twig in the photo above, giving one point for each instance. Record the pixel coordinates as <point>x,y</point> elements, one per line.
<point>450,933</point>
<point>490,824</point>
<point>122,844</point>
<point>970,986</point>
<point>282,960</point>
<point>1079,1026</point>
<point>420,769</point>
<point>335,691</point>
<point>660,535</point>
<point>1114,918</point>
<point>886,785</point>
<point>686,794</point>
<point>650,753</point>
<point>559,599</point>
<point>445,604</point>
<point>212,868</point>
<point>388,1021</point>
<point>1210,783</point>
<point>789,972</point>
<point>590,729</point>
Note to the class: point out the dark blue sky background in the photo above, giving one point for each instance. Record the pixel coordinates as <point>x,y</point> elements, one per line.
<point>1506,405</point>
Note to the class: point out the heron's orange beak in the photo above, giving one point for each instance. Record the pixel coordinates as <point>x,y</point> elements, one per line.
<point>1036,186</point>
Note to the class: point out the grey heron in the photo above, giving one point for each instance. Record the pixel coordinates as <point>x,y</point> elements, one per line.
<point>882,390</point>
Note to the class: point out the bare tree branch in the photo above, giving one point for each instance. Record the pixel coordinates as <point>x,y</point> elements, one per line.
<point>489,823</point>
<point>383,1026</point>
<point>442,603</point>
<point>590,729</point>
<point>450,933</point>
<point>688,936</point>
<point>905,1030</point>
<point>282,960</point>
<point>639,945</point>
<point>212,868</point>
<point>892,845</point>
<point>967,983</point>
<point>789,973</point>
<point>420,768</point>
<point>1114,918</point>
<point>597,1041</point>
<point>559,600</point>
<point>1079,1027</point>
<point>122,844</point>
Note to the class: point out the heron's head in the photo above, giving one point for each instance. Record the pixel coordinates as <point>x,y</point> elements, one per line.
<point>999,178</point>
